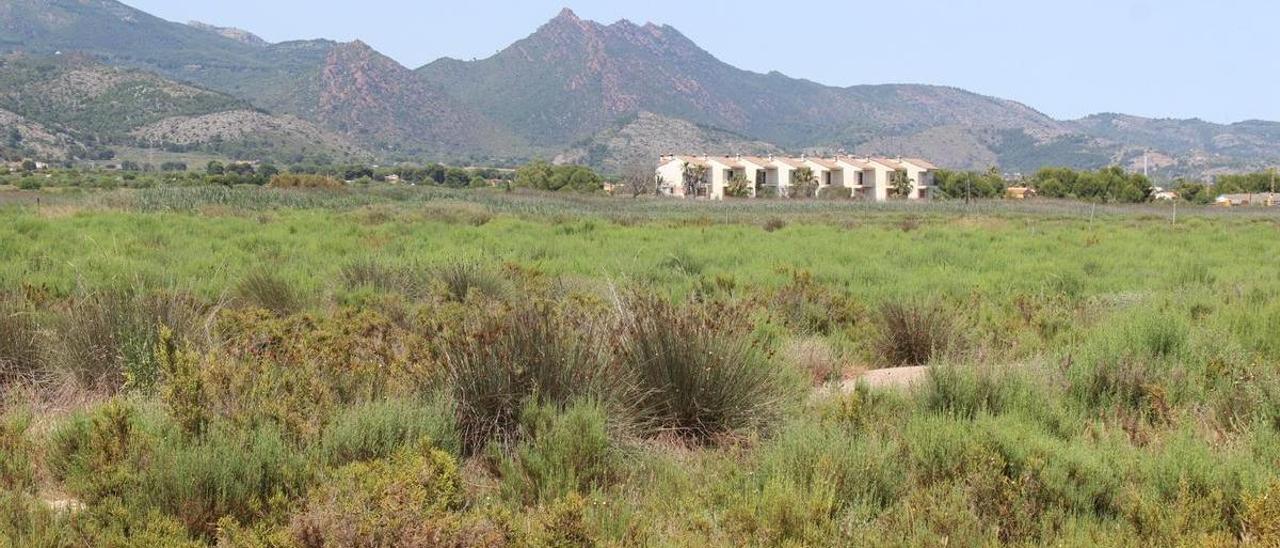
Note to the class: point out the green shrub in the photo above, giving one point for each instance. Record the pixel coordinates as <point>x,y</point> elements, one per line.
<point>244,474</point>
<point>915,333</point>
<point>97,456</point>
<point>375,430</point>
<point>560,453</point>
<point>699,369</point>
<point>808,477</point>
<point>806,306</point>
<point>17,472</point>
<point>296,371</point>
<point>972,389</point>
<point>395,501</point>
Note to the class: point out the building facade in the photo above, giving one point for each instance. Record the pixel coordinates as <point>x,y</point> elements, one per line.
<point>720,177</point>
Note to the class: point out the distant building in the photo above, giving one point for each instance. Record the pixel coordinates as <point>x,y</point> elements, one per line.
<point>868,178</point>
<point>1265,199</point>
<point>1162,195</point>
<point>1019,193</point>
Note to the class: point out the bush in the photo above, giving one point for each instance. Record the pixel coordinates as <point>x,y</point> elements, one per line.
<point>914,333</point>
<point>97,456</point>
<point>402,500</point>
<point>698,368</point>
<point>297,371</point>
<point>530,354</point>
<point>244,474</point>
<point>17,472</point>
<point>774,224</point>
<point>270,292</point>
<point>561,453</point>
<point>808,477</point>
<point>809,307</point>
<point>375,430</point>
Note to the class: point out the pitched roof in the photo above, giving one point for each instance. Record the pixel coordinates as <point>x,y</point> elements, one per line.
<point>891,164</point>
<point>725,161</point>
<point>860,164</point>
<point>922,164</point>
<point>789,162</point>
<point>756,160</point>
<point>694,160</point>
<point>829,164</point>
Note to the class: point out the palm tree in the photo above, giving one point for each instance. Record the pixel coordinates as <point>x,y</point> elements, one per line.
<point>695,178</point>
<point>738,187</point>
<point>804,183</point>
<point>900,184</point>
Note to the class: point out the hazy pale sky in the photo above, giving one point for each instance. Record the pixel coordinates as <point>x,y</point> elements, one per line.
<point>1216,60</point>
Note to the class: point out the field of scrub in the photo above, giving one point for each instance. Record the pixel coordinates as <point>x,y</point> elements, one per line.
<point>398,367</point>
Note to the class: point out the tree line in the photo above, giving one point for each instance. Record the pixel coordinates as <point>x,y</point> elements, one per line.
<point>1111,184</point>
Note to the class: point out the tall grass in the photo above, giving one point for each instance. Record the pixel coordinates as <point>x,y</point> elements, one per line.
<point>915,332</point>
<point>531,354</point>
<point>700,370</point>
<point>21,358</point>
<point>270,292</point>
<point>105,340</point>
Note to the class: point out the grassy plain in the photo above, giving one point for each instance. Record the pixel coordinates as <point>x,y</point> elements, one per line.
<point>396,366</point>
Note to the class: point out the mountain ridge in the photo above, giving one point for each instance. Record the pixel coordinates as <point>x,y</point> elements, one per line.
<point>575,81</point>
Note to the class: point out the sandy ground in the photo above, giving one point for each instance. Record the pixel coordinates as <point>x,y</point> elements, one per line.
<point>895,378</point>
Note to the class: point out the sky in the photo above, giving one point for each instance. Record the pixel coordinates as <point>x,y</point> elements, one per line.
<point>1214,60</point>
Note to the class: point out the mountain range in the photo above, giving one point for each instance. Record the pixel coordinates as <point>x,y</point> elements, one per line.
<point>575,90</point>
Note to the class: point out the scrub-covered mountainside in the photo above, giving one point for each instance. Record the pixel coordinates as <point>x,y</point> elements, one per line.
<point>569,89</point>
<point>72,107</point>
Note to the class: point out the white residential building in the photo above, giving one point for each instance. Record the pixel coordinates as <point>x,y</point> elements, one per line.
<point>869,178</point>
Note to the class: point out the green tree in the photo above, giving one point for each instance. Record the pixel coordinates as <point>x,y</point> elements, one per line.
<point>536,174</point>
<point>804,183</point>
<point>695,178</point>
<point>900,184</point>
<point>28,165</point>
<point>214,167</point>
<point>738,187</point>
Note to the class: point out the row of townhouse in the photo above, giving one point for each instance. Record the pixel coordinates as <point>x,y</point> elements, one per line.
<point>869,178</point>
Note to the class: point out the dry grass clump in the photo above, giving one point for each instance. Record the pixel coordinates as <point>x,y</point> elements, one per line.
<point>20,351</point>
<point>915,333</point>
<point>270,292</point>
<point>814,357</point>
<point>532,354</point>
<point>106,340</point>
<point>701,372</point>
<point>460,278</point>
<point>774,224</point>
